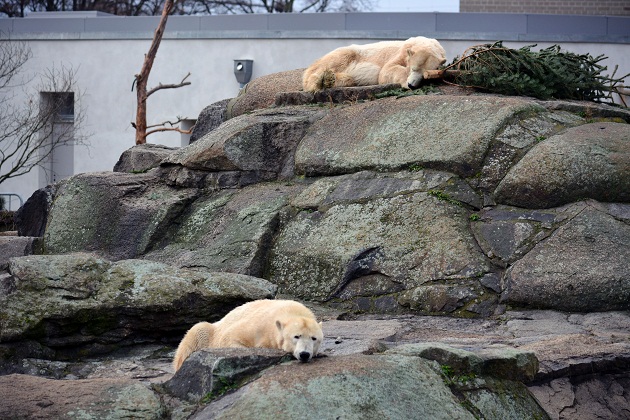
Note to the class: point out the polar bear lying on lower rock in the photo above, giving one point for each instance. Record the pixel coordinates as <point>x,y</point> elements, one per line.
<point>276,324</point>
<point>401,62</point>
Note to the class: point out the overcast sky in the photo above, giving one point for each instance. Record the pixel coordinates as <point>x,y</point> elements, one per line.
<point>416,6</point>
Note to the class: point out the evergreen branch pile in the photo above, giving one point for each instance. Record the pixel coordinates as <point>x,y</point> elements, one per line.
<point>548,73</point>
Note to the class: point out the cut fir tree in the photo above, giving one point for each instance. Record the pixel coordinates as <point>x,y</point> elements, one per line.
<point>545,74</point>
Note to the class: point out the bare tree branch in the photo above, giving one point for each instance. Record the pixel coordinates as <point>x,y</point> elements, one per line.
<point>171,123</point>
<point>13,56</point>
<point>169,86</point>
<point>177,129</point>
<point>173,127</point>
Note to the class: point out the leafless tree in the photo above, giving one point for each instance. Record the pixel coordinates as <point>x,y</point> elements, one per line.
<point>143,92</point>
<point>278,6</point>
<point>30,131</point>
<point>18,8</point>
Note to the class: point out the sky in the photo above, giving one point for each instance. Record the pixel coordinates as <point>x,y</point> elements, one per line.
<point>416,6</point>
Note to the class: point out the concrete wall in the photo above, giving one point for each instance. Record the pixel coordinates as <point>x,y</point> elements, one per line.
<point>108,51</point>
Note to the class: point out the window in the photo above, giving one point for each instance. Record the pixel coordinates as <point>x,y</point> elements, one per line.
<point>62,104</point>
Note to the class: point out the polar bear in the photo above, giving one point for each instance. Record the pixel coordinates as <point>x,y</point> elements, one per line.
<point>401,62</point>
<point>276,324</point>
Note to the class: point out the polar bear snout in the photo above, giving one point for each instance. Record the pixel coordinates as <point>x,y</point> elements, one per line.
<point>414,80</point>
<point>305,349</point>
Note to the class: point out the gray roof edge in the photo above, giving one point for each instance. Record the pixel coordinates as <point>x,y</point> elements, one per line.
<point>284,34</point>
<point>79,14</point>
<point>456,26</point>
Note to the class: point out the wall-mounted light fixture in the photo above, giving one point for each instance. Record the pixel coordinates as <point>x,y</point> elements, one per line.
<point>243,71</point>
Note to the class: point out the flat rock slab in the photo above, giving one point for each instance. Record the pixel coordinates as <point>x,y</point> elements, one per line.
<point>25,396</point>
<point>54,292</point>
<point>335,95</point>
<point>438,132</point>
<point>349,337</point>
<point>494,360</point>
<point>570,347</point>
<point>17,246</point>
<point>355,386</point>
<point>565,344</point>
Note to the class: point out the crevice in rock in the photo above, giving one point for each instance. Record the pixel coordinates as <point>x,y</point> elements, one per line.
<point>361,264</point>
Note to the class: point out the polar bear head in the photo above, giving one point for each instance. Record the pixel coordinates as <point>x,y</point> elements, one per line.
<point>300,336</point>
<point>422,54</point>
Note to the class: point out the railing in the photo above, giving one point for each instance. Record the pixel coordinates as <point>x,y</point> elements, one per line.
<point>6,202</point>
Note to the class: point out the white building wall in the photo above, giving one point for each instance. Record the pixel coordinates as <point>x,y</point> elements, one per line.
<point>106,69</point>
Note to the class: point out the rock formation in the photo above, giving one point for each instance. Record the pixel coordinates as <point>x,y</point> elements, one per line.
<point>458,246</point>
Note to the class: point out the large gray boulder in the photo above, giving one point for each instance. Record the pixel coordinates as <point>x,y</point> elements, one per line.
<point>263,142</point>
<point>115,214</point>
<point>589,161</point>
<point>210,118</point>
<point>142,157</point>
<point>583,266</point>
<point>31,218</point>
<point>210,373</point>
<point>261,92</point>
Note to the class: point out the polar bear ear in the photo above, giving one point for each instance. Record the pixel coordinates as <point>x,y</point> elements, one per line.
<point>279,326</point>
<point>409,52</point>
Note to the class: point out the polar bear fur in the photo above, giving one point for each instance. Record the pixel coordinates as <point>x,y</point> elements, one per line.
<point>276,324</point>
<point>401,62</point>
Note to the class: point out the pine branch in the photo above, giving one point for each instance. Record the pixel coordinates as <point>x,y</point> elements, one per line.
<point>548,73</point>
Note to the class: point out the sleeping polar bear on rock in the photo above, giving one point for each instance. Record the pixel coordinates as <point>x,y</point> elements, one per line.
<point>401,62</point>
<point>276,324</point>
